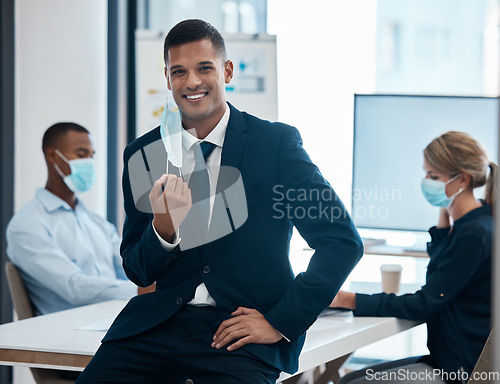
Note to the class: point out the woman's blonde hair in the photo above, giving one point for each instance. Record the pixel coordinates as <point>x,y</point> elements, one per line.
<point>458,152</point>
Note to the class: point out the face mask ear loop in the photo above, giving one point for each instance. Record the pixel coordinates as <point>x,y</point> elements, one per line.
<point>460,190</point>
<point>452,197</point>
<point>62,156</point>
<point>58,170</point>
<point>452,179</point>
<point>457,193</point>
<point>57,167</point>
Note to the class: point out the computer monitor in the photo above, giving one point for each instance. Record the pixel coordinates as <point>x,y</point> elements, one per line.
<point>390,133</point>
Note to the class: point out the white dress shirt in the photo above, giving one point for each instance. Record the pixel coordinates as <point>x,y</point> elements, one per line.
<point>216,136</point>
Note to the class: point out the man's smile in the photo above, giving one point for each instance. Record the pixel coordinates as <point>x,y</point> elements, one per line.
<point>196,96</point>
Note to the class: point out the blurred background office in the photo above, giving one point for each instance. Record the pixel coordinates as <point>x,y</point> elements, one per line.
<point>77,61</point>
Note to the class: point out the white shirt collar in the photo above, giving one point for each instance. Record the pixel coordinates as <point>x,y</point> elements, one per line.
<point>216,136</point>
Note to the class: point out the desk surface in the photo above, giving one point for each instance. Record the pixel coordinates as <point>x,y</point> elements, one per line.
<point>391,250</point>
<point>386,250</point>
<point>52,341</point>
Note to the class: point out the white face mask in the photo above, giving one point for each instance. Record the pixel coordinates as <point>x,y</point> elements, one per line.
<point>82,175</point>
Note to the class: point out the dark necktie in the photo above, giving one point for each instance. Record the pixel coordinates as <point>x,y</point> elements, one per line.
<point>199,184</point>
<point>207,149</point>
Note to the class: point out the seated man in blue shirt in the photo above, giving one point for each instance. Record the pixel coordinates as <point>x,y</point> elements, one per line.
<point>67,255</point>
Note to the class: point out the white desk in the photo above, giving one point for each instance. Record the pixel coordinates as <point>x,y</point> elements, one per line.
<point>52,341</point>
<point>333,337</point>
<point>383,250</point>
<point>391,250</point>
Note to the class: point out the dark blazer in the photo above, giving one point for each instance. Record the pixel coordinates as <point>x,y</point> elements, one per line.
<point>249,267</point>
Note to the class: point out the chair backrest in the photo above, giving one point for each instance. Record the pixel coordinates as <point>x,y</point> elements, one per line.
<point>24,310</point>
<point>484,363</point>
<point>20,298</point>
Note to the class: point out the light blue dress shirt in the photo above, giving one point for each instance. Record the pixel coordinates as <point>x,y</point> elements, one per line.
<point>67,258</point>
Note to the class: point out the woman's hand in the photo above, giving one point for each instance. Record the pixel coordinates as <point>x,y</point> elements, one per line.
<point>344,300</point>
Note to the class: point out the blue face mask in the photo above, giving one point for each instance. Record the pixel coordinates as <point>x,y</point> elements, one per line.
<point>171,132</point>
<point>434,192</point>
<point>82,174</point>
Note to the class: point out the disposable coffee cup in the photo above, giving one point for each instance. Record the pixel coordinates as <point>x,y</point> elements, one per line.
<point>391,277</point>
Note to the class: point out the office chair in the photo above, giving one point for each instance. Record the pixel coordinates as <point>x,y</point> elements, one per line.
<point>24,310</point>
<point>484,364</point>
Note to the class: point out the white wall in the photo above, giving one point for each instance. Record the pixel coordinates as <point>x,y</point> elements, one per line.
<point>445,47</point>
<point>326,53</point>
<point>164,14</point>
<point>61,75</point>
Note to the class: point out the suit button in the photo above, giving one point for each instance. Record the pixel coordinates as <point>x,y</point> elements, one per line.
<point>179,300</point>
<point>206,269</point>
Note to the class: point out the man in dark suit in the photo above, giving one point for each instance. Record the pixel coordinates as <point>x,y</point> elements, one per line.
<point>227,307</point>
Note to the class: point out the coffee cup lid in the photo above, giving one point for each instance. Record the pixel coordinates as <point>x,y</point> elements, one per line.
<point>391,267</point>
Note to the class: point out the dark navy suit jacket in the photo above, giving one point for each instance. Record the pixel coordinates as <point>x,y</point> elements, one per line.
<point>249,267</point>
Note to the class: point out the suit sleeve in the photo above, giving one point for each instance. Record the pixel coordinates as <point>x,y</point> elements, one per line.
<point>325,224</point>
<point>144,259</point>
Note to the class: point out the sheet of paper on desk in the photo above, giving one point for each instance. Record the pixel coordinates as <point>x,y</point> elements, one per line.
<point>102,325</point>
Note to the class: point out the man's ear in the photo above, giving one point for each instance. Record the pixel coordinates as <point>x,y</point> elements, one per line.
<point>228,71</point>
<point>167,77</point>
<point>50,155</point>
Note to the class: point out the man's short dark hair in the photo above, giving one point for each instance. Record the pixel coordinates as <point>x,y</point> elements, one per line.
<point>191,30</point>
<point>54,133</point>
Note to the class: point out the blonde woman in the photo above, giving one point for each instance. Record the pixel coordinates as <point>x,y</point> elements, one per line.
<point>455,301</point>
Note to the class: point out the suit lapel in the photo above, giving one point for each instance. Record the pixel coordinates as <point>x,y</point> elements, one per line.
<point>234,141</point>
<point>232,151</point>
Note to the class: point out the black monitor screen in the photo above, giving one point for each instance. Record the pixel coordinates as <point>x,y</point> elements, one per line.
<point>390,133</point>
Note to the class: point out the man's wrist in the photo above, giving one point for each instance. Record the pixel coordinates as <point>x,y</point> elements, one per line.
<point>167,234</point>
<point>169,246</point>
